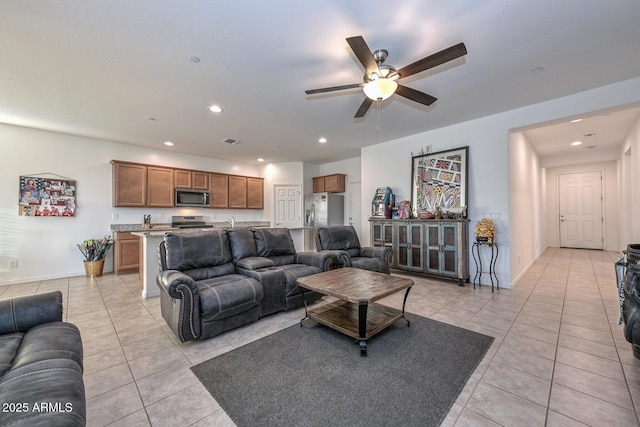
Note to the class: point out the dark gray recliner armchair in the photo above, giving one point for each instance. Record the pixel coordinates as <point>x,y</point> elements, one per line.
<point>342,241</point>
<point>201,295</point>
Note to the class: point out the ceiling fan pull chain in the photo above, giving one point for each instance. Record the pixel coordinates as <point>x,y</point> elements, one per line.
<point>378,119</point>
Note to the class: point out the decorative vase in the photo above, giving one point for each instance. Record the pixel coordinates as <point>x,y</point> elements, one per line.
<point>93,268</point>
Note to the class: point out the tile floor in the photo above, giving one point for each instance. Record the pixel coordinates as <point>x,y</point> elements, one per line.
<point>559,357</point>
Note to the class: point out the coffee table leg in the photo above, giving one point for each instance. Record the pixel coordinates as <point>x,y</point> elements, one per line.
<point>306,313</point>
<point>404,302</point>
<point>362,326</point>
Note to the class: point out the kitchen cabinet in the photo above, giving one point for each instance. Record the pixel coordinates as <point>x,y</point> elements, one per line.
<point>237,192</point>
<point>430,247</point>
<point>334,183</point>
<point>129,184</point>
<point>159,187</point>
<point>141,185</point>
<point>197,180</point>
<point>126,252</point>
<point>255,193</point>
<point>219,190</point>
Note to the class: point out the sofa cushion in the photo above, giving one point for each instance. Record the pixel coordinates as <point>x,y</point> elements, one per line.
<point>201,254</point>
<point>227,296</point>
<point>242,242</point>
<point>9,344</point>
<point>273,242</point>
<point>51,389</point>
<point>292,272</point>
<point>55,340</point>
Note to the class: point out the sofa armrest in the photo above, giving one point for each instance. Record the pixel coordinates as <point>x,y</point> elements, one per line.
<point>324,261</point>
<point>254,263</point>
<point>23,313</point>
<point>375,252</point>
<point>180,303</point>
<point>384,253</point>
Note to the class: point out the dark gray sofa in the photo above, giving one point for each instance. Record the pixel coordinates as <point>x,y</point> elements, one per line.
<point>212,281</point>
<point>40,364</point>
<point>341,241</point>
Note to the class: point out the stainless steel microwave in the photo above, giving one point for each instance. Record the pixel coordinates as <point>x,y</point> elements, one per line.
<point>189,197</point>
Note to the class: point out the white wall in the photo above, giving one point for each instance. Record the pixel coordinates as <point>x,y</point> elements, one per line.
<point>525,190</point>
<point>629,179</point>
<point>45,246</point>
<point>389,164</point>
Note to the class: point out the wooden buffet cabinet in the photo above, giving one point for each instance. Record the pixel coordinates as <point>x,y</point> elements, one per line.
<point>141,185</point>
<point>433,247</point>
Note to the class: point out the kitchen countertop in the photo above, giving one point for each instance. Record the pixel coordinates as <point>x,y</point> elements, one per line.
<point>164,227</point>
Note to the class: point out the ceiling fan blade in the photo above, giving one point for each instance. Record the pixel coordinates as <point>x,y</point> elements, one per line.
<point>446,55</point>
<point>416,95</point>
<point>363,53</point>
<point>364,107</point>
<point>333,88</point>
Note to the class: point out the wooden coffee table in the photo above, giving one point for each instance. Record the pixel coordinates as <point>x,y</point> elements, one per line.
<point>354,313</point>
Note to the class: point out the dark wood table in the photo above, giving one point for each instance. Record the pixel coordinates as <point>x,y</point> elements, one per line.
<point>354,313</point>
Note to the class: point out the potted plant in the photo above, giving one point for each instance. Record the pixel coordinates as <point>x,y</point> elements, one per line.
<point>94,251</point>
<point>484,230</point>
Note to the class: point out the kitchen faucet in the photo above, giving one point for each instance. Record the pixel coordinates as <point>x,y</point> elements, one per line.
<point>231,221</point>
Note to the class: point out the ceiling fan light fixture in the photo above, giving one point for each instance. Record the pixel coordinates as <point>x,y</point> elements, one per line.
<point>380,89</point>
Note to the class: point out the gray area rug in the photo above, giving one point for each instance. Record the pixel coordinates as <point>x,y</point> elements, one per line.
<point>315,376</point>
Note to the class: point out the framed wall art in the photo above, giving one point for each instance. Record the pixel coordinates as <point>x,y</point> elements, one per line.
<point>439,180</point>
<point>46,197</point>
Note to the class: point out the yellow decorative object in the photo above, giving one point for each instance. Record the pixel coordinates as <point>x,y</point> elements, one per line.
<point>485,230</point>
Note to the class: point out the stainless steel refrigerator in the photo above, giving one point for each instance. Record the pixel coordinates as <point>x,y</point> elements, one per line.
<point>322,210</point>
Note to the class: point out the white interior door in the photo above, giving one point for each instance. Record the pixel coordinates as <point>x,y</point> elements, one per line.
<point>355,208</point>
<point>288,206</point>
<point>580,210</point>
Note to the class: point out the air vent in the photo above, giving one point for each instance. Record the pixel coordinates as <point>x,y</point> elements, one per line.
<point>231,141</point>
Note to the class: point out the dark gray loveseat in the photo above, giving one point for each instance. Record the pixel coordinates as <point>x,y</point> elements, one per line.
<point>212,281</point>
<point>40,364</point>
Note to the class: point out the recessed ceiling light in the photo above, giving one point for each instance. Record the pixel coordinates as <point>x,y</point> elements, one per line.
<point>576,120</point>
<point>576,143</point>
<point>322,140</point>
<point>215,109</point>
<point>260,159</point>
<point>168,143</point>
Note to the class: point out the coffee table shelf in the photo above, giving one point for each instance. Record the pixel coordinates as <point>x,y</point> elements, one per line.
<point>343,317</point>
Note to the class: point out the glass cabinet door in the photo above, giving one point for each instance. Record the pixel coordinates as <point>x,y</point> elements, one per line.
<point>433,248</point>
<point>450,248</point>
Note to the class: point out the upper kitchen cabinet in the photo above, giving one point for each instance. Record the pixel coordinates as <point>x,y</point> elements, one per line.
<point>246,192</point>
<point>237,192</point>
<point>141,185</point>
<point>159,187</point>
<point>334,183</point>
<point>197,180</point>
<point>255,193</point>
<point>129,184</point>
<point>219,190</point>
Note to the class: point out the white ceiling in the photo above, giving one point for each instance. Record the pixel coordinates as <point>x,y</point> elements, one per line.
<point>122,71</point>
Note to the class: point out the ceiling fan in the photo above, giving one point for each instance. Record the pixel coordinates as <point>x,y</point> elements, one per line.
<point>380,79</point>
